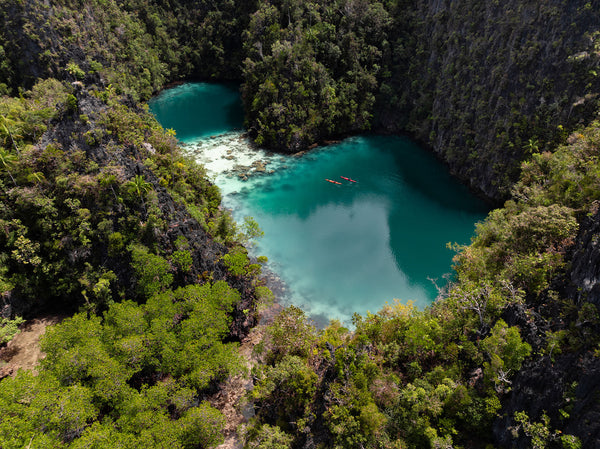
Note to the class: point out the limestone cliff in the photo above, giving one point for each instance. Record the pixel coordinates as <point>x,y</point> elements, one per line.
<point>485,84</point>
<point>560,384</point>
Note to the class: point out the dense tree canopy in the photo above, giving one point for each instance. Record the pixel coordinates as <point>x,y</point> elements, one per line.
<point>311,69</point>
<point>133,378</point>
<point>101,214</point>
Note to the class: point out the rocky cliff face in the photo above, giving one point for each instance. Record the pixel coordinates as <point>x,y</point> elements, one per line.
<point>486,83</point>
<point>138,45</point>
<point>564,389</point>
<point>85,162</point>
<point>562,379</point>
<point>585,270</point>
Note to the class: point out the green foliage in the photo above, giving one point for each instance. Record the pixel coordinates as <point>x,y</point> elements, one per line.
<point>401,379</point>
<point>97,288</point>
<point>290,384</point>
<point>24,119</point>
<point>570,442</point>
<point>250,231</point>
<point>535,237</point>
<point>506,351</point>
<point>310,71</point>
<point>138,186</point>
<point>183,260</point>
<point>202,425</point>
<point>71,103</point>
<point>182,257</point>
<point>9,328</point>
<point>291,334</point>
<point>67,213</point>
<point>135,376</point>
<point>153,271</point>
<point>506,343</point>
<point>74,70</point>
<point>7,162</point>
<point>116,243</point>
<point>568,176</point>
<point>42,410</point>
<point>236,261</point>
<point>269,437</point>
<point>68,208</point>
<point>223,228</point>
<point>540,432</point>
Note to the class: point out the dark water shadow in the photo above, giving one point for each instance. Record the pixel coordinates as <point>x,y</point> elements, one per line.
<point>425,174</point>
<point>234,110</point>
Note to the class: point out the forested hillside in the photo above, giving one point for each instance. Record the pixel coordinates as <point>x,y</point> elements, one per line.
<point>486,84</point>
<point>102,217</point>
<point>483,84</point>
<point>311,70</point>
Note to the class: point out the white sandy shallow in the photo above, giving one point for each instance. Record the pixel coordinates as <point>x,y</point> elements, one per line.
<point>231,160</point>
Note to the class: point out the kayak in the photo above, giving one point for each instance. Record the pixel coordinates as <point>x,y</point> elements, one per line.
<point>333,182</point>
<point>348,179</point>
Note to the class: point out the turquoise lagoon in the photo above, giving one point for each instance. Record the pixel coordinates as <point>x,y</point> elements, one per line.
<point>337,248</point>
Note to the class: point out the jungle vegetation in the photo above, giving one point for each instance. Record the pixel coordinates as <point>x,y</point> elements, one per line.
<point>102,216</point>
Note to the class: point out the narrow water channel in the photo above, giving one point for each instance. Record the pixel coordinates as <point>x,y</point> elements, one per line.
<point>378,232</point>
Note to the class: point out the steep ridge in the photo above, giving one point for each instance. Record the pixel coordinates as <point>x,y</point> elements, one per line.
<point>91,131</point>
<point>103,218</point>
<point>485,84</point>
<point>137,45</point>
<point>562,382</point>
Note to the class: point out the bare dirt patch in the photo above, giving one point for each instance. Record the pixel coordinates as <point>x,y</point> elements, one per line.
<point>231,398</point>
<point>23,351</point>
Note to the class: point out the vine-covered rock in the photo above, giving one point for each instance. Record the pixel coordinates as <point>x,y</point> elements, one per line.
<point>485,84</point>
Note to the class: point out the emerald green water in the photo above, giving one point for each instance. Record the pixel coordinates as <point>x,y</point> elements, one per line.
<point>197,110</point>
<point>339,248</point>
